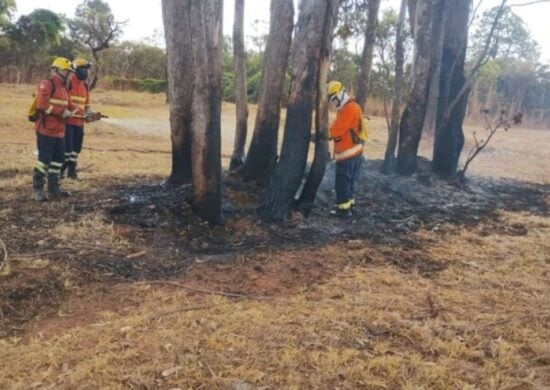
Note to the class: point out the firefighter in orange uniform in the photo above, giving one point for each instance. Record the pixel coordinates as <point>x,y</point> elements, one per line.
<point>54,107</point>
<point>348,149</point>
<point>74,131</point>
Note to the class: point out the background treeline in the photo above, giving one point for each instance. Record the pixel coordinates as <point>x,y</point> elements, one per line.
<point>513,77</point>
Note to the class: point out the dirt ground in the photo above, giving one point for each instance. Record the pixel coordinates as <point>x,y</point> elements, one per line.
<point>430,285</point>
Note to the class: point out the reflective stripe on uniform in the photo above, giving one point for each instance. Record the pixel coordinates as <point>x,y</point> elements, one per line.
<point>59,101</point>
<point>49,109</point>
<point>348,153</point>
<point>78,99</point>
<point>55,167</point>
<point>41,166</point>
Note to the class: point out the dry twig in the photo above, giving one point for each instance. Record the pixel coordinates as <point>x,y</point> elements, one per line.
<point>183,309</point>
<point>205,291</point>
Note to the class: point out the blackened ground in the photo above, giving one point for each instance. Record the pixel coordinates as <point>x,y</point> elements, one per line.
<point>166,237</point>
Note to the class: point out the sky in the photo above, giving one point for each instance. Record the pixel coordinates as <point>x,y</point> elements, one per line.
<point>144,17</point>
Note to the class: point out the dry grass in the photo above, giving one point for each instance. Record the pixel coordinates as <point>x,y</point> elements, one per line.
<point>484,322</point>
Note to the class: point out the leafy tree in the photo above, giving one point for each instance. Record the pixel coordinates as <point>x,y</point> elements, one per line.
<point>95,25</point>
<point>7,8</point>
<point>511,38</point>
<point>32,39</point>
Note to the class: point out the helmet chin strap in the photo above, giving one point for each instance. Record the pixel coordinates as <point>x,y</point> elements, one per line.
<point>340,98</point>
<point>64,78</point>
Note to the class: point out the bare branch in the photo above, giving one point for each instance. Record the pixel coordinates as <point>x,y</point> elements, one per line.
<point>528,3</point>
<point>482,60</point>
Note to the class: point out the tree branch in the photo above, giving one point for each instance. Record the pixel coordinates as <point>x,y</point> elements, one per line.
<point>528,3</point>
<point>482,60</point>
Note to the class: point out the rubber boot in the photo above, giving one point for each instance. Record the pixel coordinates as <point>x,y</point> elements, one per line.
<point>53,187</point>
<point>71,171</point>
<point>38,186</point>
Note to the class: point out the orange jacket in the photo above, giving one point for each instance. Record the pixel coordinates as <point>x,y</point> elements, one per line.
<point>80,97</point>
<point>348,120</point>
<point>51,107</point>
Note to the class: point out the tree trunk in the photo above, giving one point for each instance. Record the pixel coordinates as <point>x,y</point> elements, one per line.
<point>241,105</point>
<point>449,136</point>
<point>366,63</point>
<point>206,43</point>
<point>388,166</point>
<point>179,93</point>
<point>289,172</point>
<point>194,30</point>
<point>317,171</point>
<point>438,34</point>
<point>412,120</point>
<point>96,68</point>
<point>263,148</point>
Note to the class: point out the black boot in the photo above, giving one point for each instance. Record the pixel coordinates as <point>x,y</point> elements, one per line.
<point>71,172</point>
<point>53,187</point>
<point>38,186</point>
<point>63,170</point>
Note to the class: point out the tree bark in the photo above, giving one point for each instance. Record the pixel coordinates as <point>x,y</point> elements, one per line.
<point>412,120</point>
<point>317,171</point>
<point>194,30</point>
<point>263,147</point>
<point>366,62</point>
<point>388,166</point>
<point>207,43</point>
<point>289,172</point>
<point>241,105</point>
<point>438,34</point>
<point>449,136</point>
<point>179,78</point>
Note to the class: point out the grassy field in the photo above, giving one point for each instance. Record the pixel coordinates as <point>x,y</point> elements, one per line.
<point>446,304</point>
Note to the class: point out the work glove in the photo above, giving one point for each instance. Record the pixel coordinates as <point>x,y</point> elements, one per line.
<point>92,116</point>
<point>66,114</point>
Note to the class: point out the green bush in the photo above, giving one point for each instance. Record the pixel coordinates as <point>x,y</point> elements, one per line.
<point>152,85</point>
<point>228,87</point>
<point>142,85</point>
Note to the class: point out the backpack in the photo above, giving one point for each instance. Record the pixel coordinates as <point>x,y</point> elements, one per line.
<point>34,113</point>
<point>359,136</point>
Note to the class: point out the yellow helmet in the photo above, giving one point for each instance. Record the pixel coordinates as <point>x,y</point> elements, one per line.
<point>81,63</point>
<point>334,87</point>
<point>62,63</point>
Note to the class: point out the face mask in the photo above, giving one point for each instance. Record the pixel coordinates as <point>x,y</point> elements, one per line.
<point>81,74</point>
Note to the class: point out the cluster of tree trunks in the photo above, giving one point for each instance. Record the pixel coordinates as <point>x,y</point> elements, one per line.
<point>263,147</point>
<point>288,174</point>
<point>440,31</point>
<point>193,40</point>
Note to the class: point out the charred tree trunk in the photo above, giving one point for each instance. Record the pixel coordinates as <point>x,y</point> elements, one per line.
<point>388,166</point>
<point>197,26</point>
<point>317,171</point>
<point>366,63</point>
<point>206,43</point>
<point>289,172</point>
<point>263,147</point>
<point>449,136</point>
<point>412,120</point>
<point>241,105</point>
<point>179,77</point>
